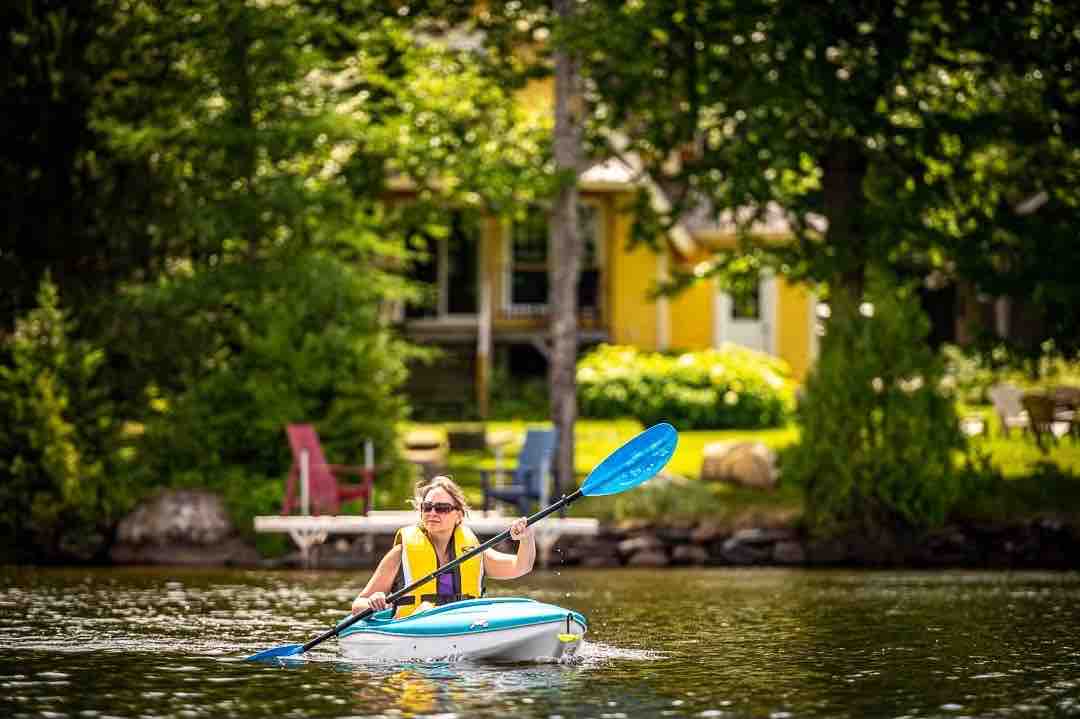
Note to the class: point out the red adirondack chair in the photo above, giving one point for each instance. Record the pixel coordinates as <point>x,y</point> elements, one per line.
<point>325,491</point>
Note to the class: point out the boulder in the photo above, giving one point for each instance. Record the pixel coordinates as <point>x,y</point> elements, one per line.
<point>181,527</point>
<point>578,551</point>
<point>709,532</point>
<point>759,536</point>
<point>828,550</point>
<point>788,552</point>
<point>600,561</point>
<point>677,532</point>
<point>749,546</point>
<point>649,558</point>
<point>642,543</point>
<point>747,464</point>
<point>689,554</point>
<point>737,553</point>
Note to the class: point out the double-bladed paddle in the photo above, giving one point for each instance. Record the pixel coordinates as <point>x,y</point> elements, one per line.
<point>628,466</point>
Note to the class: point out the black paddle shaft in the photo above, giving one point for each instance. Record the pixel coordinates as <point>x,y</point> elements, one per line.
<point>501,537</point>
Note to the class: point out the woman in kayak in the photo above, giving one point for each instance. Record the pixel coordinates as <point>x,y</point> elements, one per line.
<point>419,549</point>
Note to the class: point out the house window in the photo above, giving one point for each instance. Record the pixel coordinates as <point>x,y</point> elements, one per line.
<point>527,265</point>
<point>448,262</point>
<point>746,301</point>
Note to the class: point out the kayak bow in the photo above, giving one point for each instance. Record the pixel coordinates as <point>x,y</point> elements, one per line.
<point>508,629</point>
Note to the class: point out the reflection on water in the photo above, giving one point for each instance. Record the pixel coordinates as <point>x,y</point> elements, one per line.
<point>693,643</point>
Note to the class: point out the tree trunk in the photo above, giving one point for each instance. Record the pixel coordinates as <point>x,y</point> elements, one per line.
<point>243,150</point>
<point>844,169</point>
<point>565,246</point>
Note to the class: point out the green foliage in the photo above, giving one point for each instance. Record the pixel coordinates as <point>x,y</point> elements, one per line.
<point>58,449</point>
<point>971,373</point>
<point>974,370</point>
<point>730,387</point>
<point>927,139</point>
<point>1044,489</point>
<point>518,398</point>
<point>297,339</point>
<point>212,188</point>
<point>880,436</point>
<point>667,498</point>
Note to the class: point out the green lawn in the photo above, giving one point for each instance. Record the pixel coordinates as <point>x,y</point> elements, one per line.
<point>1017,456</point>
<point>1037,482</point>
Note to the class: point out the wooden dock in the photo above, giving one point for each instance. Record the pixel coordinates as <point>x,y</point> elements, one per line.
<point>309,530</point>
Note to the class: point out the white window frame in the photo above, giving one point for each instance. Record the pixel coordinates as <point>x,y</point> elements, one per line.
<point>442,279</point>
<point>768,298</point>
<point>536,309</point>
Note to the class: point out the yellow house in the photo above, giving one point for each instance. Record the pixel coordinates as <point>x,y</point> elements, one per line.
<point>490,282</point>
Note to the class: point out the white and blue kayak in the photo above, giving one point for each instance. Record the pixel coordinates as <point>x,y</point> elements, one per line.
<point>504,629</point>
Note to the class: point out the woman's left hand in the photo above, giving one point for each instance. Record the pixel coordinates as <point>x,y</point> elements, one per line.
<point>520,529</point>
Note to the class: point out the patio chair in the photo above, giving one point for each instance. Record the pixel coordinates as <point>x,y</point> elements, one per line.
<point>529,479</point>
<point>1040,411</point>
<point>1067,408</point>
<point>326,486</point>
<point>1006,400</point>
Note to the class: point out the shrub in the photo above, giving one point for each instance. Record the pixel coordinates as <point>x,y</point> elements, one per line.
<point>292,341</point>
<point>730,387</point>
<point>519,398</point>
<point>879,433</point>
<point>59,444</point>
<point>668,498</point>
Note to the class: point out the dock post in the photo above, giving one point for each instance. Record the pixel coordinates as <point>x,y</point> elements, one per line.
<point>305,483</point>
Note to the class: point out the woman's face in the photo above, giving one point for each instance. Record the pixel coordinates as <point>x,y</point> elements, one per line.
<point>434,520</point>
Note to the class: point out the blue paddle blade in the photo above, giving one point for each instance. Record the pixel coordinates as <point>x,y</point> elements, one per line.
<point>288,650</point>
<point>633,463</point>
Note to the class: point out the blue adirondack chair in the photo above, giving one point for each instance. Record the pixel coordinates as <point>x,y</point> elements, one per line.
<point>526,486</point>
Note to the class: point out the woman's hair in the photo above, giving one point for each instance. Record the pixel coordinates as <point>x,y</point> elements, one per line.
<point>424,486</point>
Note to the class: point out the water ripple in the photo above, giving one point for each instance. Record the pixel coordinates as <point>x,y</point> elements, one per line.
<point>708,643</point>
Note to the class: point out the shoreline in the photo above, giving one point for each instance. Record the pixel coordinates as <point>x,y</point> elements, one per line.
<point>1035,543</point>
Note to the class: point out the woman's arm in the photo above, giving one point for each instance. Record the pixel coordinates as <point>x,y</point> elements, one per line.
<point>373,595</point>
<point>501,565</point>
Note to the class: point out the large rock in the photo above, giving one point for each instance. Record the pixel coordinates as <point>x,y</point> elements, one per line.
<point>747,464</point>
<point>689,554</point>
<point>649,558</point>
<point>641,543</point>
<point>788,552</point>
<point>180,527</point>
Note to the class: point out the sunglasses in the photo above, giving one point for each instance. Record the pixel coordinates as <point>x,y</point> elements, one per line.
<point>439,507</point>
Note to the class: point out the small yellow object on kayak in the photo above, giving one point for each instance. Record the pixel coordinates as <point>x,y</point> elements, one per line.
<point>567,638</point>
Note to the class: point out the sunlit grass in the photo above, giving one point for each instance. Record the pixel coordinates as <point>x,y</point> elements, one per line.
<point>1036,482</point>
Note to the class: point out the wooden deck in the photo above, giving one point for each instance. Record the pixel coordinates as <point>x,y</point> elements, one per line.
<point>309,530</point>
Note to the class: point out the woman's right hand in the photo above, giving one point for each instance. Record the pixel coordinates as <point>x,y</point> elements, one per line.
<point>377,602</point>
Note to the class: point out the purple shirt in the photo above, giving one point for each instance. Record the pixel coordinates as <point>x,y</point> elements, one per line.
<point>445,584</point>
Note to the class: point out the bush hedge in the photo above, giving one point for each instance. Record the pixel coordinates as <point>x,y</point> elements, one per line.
<point>60,442</point>
<point>728,387</point>
<point>296,340</point>
<point>879,441</point>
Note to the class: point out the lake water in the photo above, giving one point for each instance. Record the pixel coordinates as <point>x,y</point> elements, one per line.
<point>680,643</point>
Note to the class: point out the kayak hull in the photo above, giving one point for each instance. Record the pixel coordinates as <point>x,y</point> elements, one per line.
<point>505,629</point>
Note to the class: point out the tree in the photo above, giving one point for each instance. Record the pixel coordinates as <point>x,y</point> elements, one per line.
<point>60,451</point>
<point>71,206</point>
<point>898,134</point>
<point>532,40</point>
<point>282,129</point>
<point>221,222</point>
<point>566,244</point>
<point>897,139</point>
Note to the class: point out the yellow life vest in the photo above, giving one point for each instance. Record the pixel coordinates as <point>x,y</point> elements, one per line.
<point>419,559</point>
